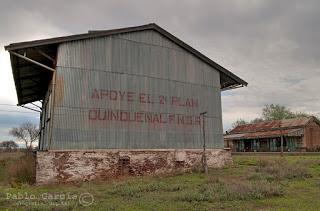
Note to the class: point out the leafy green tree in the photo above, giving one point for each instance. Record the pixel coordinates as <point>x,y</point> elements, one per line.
<point>276,112</point>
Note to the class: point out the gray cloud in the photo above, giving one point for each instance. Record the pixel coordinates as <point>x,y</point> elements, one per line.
<point>272,44</point>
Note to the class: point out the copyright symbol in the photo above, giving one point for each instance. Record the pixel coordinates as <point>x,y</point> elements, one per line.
<point>86,199</point>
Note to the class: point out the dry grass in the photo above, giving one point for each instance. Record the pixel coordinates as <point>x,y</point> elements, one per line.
<point>251,183</point>
<point>22,171</point>
<point>264,181</point>
<point>279,169</point>
<point>242,190</point>
<point>10,155</point>
<point>7,159</point>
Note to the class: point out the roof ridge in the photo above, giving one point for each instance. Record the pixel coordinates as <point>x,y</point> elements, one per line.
<point>228,80</point>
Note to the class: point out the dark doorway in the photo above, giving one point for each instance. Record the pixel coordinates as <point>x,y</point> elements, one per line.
<point>264,146</point>
<point>247,146</point>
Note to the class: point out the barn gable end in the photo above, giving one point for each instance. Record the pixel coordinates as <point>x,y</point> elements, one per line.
<point>122,101</point>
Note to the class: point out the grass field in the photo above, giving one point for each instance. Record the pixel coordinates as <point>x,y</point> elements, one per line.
<point>251,183</point>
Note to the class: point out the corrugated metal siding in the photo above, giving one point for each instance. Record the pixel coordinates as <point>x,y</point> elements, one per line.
<point>45,122</point>
<point>142,62</point>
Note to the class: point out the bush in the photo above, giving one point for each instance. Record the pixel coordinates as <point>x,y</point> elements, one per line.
<point>250,190</point>
<point>135,190</point>
<point>223,191</point>
<point>263,183</point>
<point>281,169</point>
<point>256,190</point>
<point>23,170</point>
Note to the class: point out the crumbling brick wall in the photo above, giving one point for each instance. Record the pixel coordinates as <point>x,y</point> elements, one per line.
<point>76,166</point>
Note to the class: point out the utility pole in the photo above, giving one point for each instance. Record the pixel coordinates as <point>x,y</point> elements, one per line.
<point>281,137</point>
<point>204,156</point>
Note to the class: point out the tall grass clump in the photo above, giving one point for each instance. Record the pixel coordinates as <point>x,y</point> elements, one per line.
<point>136,190</point>
<point>224,191</point>
<point>280,169</point>
<point>22,170</point>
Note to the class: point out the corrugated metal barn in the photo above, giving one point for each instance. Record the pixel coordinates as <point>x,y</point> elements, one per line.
<point>137,88</point>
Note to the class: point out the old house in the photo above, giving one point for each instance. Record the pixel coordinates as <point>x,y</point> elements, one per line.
<point>121,101</point>
<point>299,134</point>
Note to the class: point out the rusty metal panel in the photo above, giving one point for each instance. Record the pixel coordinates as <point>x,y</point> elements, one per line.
<point>265,134</point>
<point>273,125</point>
<point>135,92</point>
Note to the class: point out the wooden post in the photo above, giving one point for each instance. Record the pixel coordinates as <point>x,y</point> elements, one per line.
<point>281,138</point>
<point>281,145</point>
<point>204,156</point>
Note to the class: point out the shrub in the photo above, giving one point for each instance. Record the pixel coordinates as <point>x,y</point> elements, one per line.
<point>249,190</point>
<point>282,169</point>
<point>263,183</point>
<point>223,191</point>
<point>135,190</point>
<point>195,196</point>
<point>23,170</point>
<point>258,190</point>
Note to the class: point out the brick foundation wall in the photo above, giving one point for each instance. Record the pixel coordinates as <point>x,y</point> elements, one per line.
<point>76,166</point>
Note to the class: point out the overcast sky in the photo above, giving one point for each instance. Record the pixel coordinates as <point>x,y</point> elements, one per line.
<point>273,45</point>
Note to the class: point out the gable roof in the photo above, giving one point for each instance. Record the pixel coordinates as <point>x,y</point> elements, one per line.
<point>273,128</point>
<point>32,82</point>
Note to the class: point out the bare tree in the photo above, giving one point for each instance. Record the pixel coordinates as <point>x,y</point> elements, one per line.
<point>27,133</point>
<point>9,145</point>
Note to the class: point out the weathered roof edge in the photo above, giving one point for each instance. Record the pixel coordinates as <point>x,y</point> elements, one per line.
<point>310,119</point>
<point>315,119</point>
<point>264,134</point>
<point>153,26</point>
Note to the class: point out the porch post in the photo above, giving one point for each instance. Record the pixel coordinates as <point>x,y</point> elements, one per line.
<point>281,146</point>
